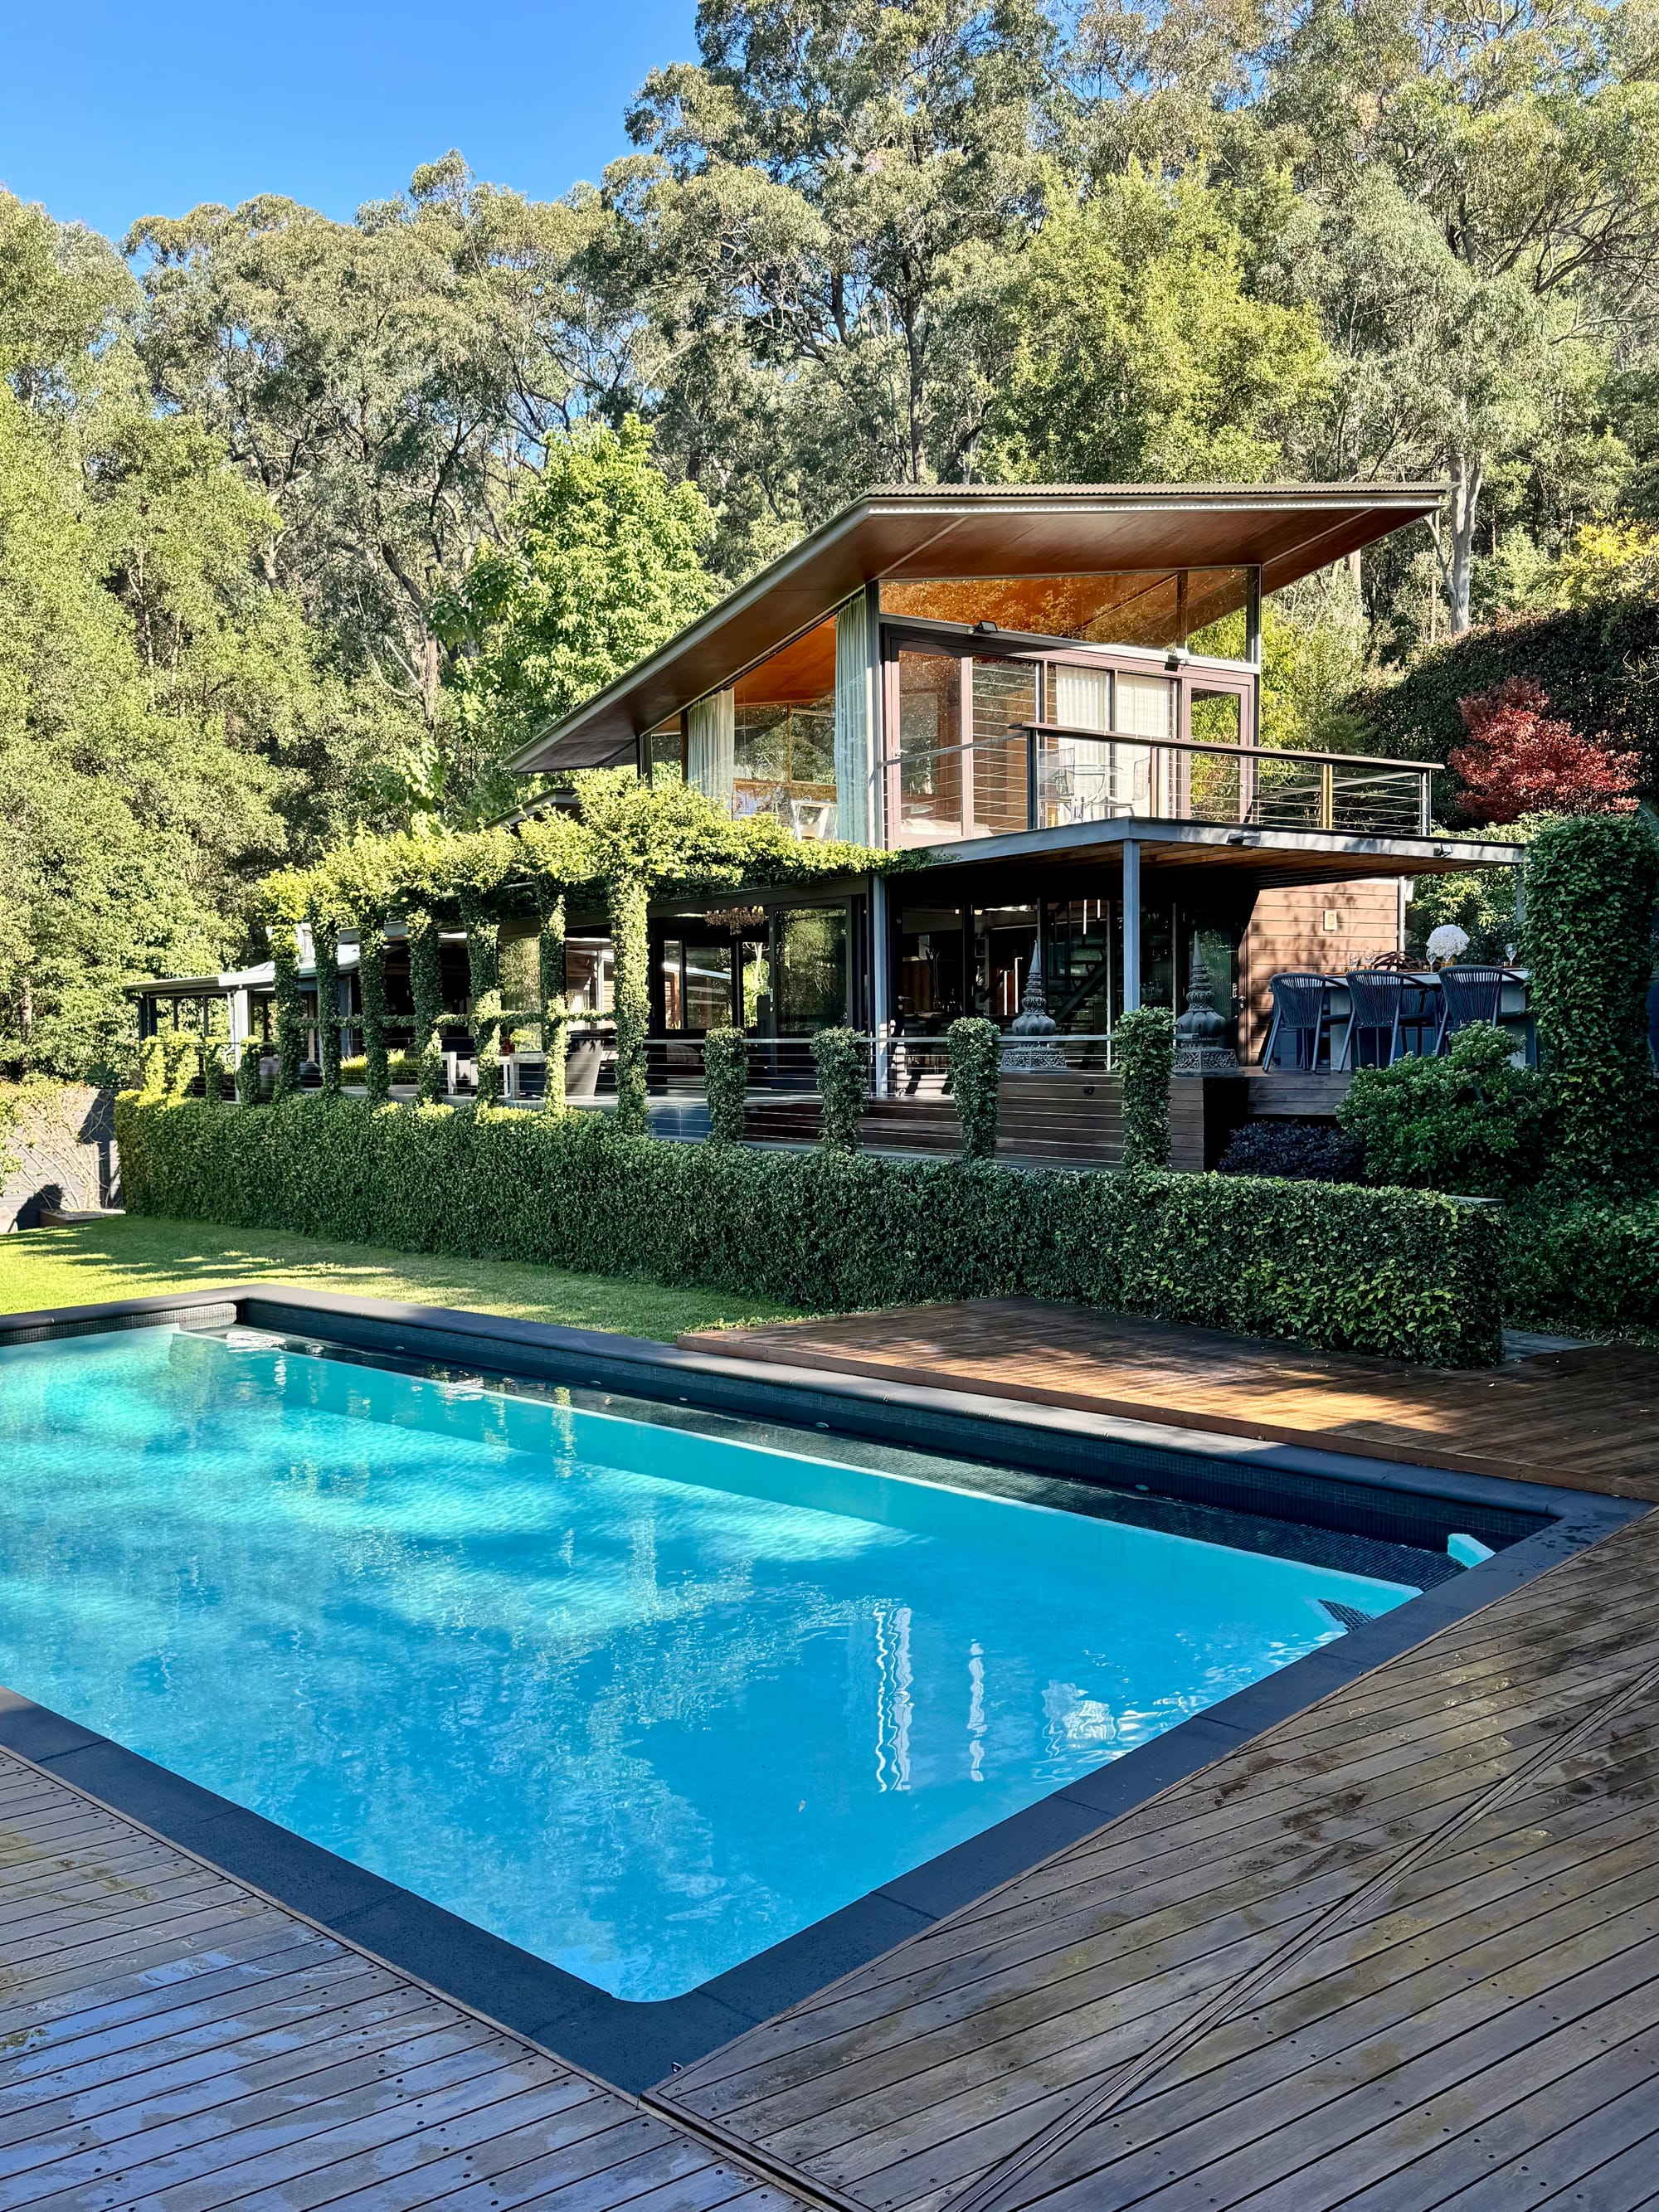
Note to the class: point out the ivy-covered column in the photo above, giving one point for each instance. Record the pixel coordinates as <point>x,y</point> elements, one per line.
<point>426,982</point>
<point>629,909</point>
<point>248,1071</point>
<point>371,982</point>
<point>553,1006</point>
<point>290,1008</point>
<point>325,945</point>
<point>484,966</point>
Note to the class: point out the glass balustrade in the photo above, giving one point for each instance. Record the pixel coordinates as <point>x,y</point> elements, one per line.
<point>1049,778</point>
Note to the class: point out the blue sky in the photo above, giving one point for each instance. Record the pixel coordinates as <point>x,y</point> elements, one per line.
<point>109,111</point>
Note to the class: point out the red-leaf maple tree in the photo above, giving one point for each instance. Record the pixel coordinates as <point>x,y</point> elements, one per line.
<point>1521,759</point>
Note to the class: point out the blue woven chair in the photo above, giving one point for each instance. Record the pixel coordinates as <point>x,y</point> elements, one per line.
<point>1472,994</point>
<point>1299,1012</point>
<point>1376,997</point>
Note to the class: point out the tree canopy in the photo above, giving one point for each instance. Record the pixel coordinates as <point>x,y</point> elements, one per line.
<point>306,525</point>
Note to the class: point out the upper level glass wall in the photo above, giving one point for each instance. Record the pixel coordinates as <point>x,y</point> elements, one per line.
<point>1127,607</point>
<point>979,744</point>
<point>784,736</point>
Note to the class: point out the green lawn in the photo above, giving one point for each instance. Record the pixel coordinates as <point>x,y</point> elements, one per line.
<point>127,1257</point>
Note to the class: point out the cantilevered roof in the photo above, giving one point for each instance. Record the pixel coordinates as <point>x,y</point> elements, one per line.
<point>980,530</point>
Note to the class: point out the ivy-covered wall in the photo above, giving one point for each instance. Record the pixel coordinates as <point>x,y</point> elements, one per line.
<point>1408,1273</point>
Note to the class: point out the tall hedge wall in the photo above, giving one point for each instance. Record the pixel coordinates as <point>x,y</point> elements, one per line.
<point>1405,1273</point>
<point>1585,658</point>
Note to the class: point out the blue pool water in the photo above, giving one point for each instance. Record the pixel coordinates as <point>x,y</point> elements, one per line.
<point>641,1699</point>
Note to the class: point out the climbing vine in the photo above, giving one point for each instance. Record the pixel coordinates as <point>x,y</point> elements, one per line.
<point>371,984</point>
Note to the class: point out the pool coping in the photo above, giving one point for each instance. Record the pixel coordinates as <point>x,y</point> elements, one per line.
<point>636,2044</point>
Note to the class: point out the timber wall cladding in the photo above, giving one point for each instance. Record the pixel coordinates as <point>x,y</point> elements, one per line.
<point>1289,929</point>
<point>63,1144</point>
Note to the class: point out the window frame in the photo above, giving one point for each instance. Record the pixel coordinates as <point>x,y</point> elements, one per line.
<point>1185,670</point>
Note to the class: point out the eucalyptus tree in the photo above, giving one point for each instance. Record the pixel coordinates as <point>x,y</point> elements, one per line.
<point>386,383</point>
<point>812,219</point>
<point>130,662</point>
<point>1480,230</point>
<point>1137,349</point>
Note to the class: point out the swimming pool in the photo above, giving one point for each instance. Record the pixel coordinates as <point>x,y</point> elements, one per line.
<point>643,1698</point>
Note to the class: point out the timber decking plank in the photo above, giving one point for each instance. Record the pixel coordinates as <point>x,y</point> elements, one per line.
<point>67,2036</point>
<point>1594,2121</point>
<point>489,2094</point>
<point>157,2039</point>
<point>1550,1415</point>
<point>65,1983</point>
<point>1349,2015</point>
<point>278,2097</point>
<point>1195,2122</point>
<point>125,2101</point>
<point>1166,2112</point>
<point>180,2040</point>
<point>225,2168</point>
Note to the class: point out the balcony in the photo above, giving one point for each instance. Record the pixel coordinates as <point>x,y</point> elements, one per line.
<point>1042,775</point>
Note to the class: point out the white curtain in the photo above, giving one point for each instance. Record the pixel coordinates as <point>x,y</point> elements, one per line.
<point>857,816</point>
<point>711,745</point>
<point>1144,708</point>
<point>1083,698</point>
<point>1077,781</point>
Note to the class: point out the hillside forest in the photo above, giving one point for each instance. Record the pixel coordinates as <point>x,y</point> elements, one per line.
<point>304,524</point>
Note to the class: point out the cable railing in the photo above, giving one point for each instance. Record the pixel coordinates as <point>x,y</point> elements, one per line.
<point>1044,775</point>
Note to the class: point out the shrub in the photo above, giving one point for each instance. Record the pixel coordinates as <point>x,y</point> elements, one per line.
<point>1582,657</point>
<point>838,1055</point>
<point>1407,1273</point>
<point>1591,886</point>
<point>214,1074</point>
<point>247,1073</point>
<point>153,1068</point>
<point>1521,759</point>
<point>974,1047</point>
<point>1589,1268</point>
<point>400,1067</point>
<point>1143,1045</point>
<point>1470,1122</point>
<point>1298,1151</point>
<point>726,1083</point>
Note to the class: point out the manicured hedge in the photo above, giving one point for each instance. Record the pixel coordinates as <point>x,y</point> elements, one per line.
<point>1584,658</point>
<point>1405,1272</point>
<point>1589,1269</point>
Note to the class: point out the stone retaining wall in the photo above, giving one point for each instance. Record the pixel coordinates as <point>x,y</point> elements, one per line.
<point>63,1143</point>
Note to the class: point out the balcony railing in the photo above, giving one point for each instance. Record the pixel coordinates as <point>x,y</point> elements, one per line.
<point>1043,777</point>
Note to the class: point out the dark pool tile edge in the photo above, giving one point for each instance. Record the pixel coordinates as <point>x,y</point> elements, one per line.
<point>637,2045</point>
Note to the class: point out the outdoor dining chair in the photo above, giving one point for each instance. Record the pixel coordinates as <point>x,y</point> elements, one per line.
<point>1471,994</point>
<point>1299,1011</point>
<point>1376,999</point>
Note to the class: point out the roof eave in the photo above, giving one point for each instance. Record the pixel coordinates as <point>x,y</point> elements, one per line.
<point>613,730</point>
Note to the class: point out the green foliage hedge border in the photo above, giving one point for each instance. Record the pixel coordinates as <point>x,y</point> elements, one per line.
<point>1142,1045</point>
<point>726,1083</point>
<point>838,1056</point>
<point>1592,882</point>
<point>975,1048</point>
<point>1407,1273</point>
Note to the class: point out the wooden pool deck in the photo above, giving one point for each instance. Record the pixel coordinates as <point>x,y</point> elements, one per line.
<point>168,2037</point>
<point>1581,1418</point>
<point>1399,1952</point>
